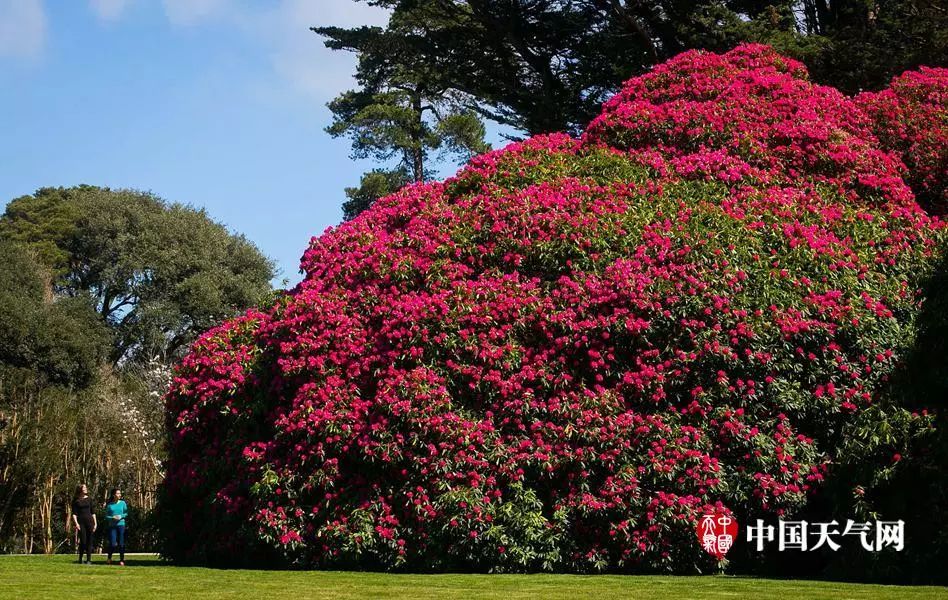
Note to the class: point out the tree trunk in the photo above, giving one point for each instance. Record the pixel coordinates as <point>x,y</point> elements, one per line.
<point>46,514</point>
<point>418,151</point>
<point>28,533</point>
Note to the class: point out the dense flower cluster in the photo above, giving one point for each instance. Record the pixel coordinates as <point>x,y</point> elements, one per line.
<point>910,118</point>
<point>560,357</point>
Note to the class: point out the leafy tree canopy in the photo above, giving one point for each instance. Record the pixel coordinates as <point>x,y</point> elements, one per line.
<point>156,273</point>
<point>402,110</point>
<point>374,185</point>
<point>60,339</point>
<point>546,65</point>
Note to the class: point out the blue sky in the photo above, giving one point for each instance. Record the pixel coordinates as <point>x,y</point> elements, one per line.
<point>215,103</point>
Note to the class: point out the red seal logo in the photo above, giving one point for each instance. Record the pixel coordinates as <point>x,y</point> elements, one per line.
<point>717,533</point>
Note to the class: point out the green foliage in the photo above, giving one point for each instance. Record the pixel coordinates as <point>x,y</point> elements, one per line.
<point>374,185</point>
<point>90,276</point>
<point>59,339</point>
<point>393,125</point>
<point>41,220</point>
<point>52,438</point>
<point>547,65</point>
<point>50,353</point>
<point>852,46</point>
<point>64,418</point>
<point>401,112</point>
<point>157,273</point>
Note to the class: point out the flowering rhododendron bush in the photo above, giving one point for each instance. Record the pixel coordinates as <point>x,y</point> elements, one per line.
<point>911,119</point>
<point>561,357</point>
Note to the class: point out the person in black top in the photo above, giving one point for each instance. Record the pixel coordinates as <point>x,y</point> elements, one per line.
<point>83,517</point>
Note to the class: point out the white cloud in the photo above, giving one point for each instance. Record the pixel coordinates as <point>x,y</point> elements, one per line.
<point>282,27</point>
<point>22,28</point>
<point>299,54</point>
<point>109,10</point>
<point>192,12</point>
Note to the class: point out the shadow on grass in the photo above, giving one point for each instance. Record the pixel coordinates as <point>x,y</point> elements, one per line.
<point>145,562</point>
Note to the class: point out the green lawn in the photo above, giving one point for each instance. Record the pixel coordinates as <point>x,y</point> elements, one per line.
<point>39,577</point>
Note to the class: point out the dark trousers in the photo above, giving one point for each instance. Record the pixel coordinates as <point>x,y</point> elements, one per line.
<point>117,541</point>
<point>85,540</point>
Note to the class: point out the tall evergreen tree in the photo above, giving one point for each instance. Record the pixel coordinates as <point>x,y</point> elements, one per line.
<point>402,111</point>
<point>546,65</point>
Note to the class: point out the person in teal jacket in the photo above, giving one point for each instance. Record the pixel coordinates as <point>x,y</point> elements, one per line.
<point>115,512</point>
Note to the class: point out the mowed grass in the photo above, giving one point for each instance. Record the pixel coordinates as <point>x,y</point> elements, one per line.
<point>41,577</point>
